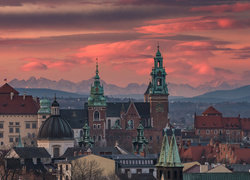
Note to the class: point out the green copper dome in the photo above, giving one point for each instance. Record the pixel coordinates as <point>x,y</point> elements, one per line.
<point>44,107</point>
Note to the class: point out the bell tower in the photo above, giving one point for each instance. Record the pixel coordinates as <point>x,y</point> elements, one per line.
<point>158,93</point>
<point>97,111</point>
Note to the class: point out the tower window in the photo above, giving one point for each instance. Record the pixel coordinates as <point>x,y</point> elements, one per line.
<point>109,124</point>
<point>159,82</point>
<point>96,116</point>
<point>158,63</point>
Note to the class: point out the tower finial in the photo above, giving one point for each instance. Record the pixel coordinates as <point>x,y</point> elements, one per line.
<point>158,46</point>
<point>96,66</point>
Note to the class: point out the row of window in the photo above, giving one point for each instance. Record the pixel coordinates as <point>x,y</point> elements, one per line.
<point>220,132</point>
<point>19,116</point>
<point>98,126</point>
<point>28,125</point>
<point>11,130</point>
<point>33,125</point>
<point>136,161</point>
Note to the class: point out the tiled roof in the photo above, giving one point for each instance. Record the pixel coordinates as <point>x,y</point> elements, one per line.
<point>18,105</point>
<point>7,89</point>
<point>245,123</point>
<point>143,109</point>
<point>75,117</point>
<point>231,123</point>
<point>194,153</point>
<point>211,111</point>
<point>32,152</point>
<point>208,122</point>
<point>114,109</point>
<point>242,154</point>
<point>216,176</point>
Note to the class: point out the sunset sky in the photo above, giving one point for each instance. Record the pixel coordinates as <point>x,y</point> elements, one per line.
<point>201,40</point>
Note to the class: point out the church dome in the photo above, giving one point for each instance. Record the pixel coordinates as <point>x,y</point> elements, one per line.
<point>55,128</point>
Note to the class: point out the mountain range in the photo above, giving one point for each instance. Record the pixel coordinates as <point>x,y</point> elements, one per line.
<point>83,87</point>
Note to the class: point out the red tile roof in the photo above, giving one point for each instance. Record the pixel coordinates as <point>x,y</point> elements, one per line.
<point>242,154</point>
<point>194,153</point>
<point>18,104</point>
<point>231,123</point>
<point>7,89</point>
<point>203,122</point>
<point>245,124</point>
<point>211,111</point>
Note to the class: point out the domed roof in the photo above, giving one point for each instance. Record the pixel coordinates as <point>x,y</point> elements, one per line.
<point>55,128</point>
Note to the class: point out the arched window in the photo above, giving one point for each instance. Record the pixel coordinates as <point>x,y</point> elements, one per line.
<point>96,116</point>
<point>94,137</point>
<point>159,82</point>
<point>56,151</point>
<point>158,63</point>
<point>99,137</point>
<point>131,124</point>
<point>175,174</point>
<point>109,124</point>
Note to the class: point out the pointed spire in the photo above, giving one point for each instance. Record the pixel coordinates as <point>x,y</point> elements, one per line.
<point>164,150</point>
<point>173,159</point>
<point>97,71</point>
<point>19,144</point>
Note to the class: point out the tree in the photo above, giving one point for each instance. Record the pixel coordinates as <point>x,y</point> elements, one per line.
<point>81,169</point>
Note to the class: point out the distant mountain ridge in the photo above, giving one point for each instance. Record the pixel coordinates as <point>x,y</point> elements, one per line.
<point>83,87</point>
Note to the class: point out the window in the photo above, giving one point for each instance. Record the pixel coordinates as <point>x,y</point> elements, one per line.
<point>96,116</point>
<point>33,125</point>
<point>131,124</point>
<point>232,133</point>
<point>158,63</point>
<point>1,143</point>
<point>220,131</point>
<point>159,82</point>
<point>11,139</point>
<point>67,167</point>
<point>207,131</point>
<point>198,131</point>
<point>1,134</point>
<point>56,151</point>
<point>118,122</point>
<point>109,124</point>
<point>99,137</point>
<point>17,139</point>
<point>17,123</point>
<point>1,125</point>
<point>17,130</point>
<point>175,174</point>
<point>11,130</point>
<point>27,125</point>
<point>227,132</point>
<point>44,117</point>
<point>94,126</point>
<point>11,123</point>
<point>98,126</point>
<point>238,133</point>
<point>215,131</point>
<point>150,138</point>
<point>94,137</point>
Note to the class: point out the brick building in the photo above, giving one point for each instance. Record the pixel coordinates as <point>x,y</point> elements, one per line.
<point>110,122</point>
<point>211,124</point>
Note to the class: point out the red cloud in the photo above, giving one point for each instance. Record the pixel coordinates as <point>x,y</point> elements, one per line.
<point>34,66</point>
<point>238,7</point>
<point>173,26</point>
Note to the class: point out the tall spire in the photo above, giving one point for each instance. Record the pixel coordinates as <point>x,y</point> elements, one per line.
<point>19,144</point>
<point>164,150</point>
<point>97,71</point>
<point>173,159</point>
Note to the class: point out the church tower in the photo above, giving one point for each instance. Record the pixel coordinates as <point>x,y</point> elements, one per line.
<point>158,94</point>
<point>97,111</point>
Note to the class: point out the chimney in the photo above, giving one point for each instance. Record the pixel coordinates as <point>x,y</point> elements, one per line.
<point>24,95</point>
<point>143,154</point>
<point>11,95</point>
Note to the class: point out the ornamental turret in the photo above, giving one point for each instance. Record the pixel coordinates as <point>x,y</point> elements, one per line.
<point>86,140</point>
<point>139,140</point>
<point>96,93</point>
<point>158,76</point>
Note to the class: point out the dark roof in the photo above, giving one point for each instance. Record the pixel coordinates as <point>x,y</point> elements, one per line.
<point>31,152</point>
<point>149,86</point>
<point>114,109</point>
<point>94,150</point>
<point>55,104</point>
<point>7,89</point>
<point>143,109</point>
<point>75,117</point>
<point>239,167</point>
<point>55,128</point>
<point>177,132</point>
<point>137,177</point>
<point>216,176</point>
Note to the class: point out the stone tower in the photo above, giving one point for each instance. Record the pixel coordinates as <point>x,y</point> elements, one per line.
<point>169,166</point>
<point>139,140</point>
<point>158,94</point>
<point>97,111</point>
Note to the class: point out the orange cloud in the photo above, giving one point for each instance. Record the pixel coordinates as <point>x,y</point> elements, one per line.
<point>34,66</point>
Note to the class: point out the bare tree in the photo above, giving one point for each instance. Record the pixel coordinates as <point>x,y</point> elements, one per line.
<point>86,170</point>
